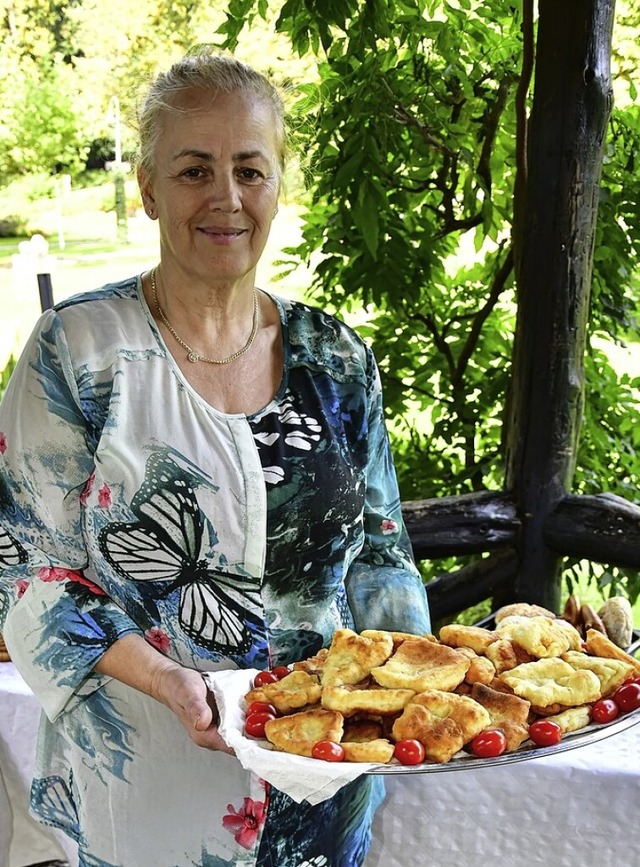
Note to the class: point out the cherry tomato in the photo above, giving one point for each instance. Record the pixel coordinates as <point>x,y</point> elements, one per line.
<point>280,671</point>
<point>627,697</point>
<point>328,751</point>
<point>261,706</point>
<point>262,678</point>
<point>545,732</point>
<point>409,752</point>
<point>489,744</point>
<point>604,710</point>
<point>254,724</point>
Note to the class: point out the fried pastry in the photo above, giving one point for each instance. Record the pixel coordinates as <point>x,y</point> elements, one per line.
<point>360,731</point>
<point>349,700</point>
<point>514,733</point>
<point>523,609</point>
<point>548,682</point>
<point>298,732</point>
<point>441,738</point>
<point>600,645</point>
<point>313,664</point>
<point>475,637</point>
<point>379,751</point>
<point>420,664</point>
<point>481,669</point>
<point>500,705</point>
<point>295,691</point>
<point>351,656</point>
<point>573,718</point>
<point>539,636</point>
<point>617,616</point>
<point>610,672</point>
<point>505,655</point>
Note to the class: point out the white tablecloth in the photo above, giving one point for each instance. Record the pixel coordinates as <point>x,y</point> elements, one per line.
<point>579,807</point>
<point>23,841</point>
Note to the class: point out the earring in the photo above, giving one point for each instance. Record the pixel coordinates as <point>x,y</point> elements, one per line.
<point>275,210</point>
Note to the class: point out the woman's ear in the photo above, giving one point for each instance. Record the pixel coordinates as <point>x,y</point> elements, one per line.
<point>146,192</point>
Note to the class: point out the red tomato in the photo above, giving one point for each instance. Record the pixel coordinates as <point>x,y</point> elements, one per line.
<point>489,744</point>
<point>604,710</point>
<point>627,696</point>
<point>262,678</point>
<point>409,752</point>
<point>261,706</point>
<point>545,732</point>
<point>255,722</point>
<point>280,671</point>
<point>328,751</point>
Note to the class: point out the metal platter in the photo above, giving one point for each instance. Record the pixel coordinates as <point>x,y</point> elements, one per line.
<point>465,761</point>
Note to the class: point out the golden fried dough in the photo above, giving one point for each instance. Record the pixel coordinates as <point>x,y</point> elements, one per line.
<point>379,751</point>
<point>600,645</point>
<point>504,655</point>
<point>294,691</point>
<point>552,681</point>
<point>419,664</point>
<point>539,636</point>
<point>573,718</point>
<point>610,672</point>
<point>475,637</point>
<point>313,664</point>
<point>298,732</point>
<point>359,731</point>
<point>467,713</point>
<point>500,705</point>
<point>351,656</point>
<point>350,700</point>
<point>523,609</point>
<point>514,733</point>
<point>441,738</point>
<point>481,669</point>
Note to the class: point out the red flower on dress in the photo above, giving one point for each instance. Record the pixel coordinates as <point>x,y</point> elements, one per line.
<point>84,496</point>
<point>245,824</point>
<point>104,497</point>
<point>388,526</point>
<point>3,443</point>
<point>80,579</point>
<point>52,573</point>
<point>158,638</point>
<point>21,586</point>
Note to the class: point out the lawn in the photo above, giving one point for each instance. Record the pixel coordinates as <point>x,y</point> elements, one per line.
<point>91,255</point>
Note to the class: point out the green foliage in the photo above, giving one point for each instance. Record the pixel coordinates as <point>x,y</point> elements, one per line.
<point>409,137</point>
<point>5,375</point>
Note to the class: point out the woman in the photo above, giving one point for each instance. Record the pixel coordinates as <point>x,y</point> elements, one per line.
<point>195,476</point>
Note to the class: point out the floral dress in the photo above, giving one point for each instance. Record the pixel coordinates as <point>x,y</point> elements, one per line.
<point>130,505</point>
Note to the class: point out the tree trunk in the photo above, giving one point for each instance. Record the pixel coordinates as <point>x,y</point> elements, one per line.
<point>572,100</point>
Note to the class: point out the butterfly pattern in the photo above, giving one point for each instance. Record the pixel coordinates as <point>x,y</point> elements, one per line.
<point>218,610</point>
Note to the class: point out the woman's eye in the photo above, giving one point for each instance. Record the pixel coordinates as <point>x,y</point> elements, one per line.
<point>250,174</point>
<point>193,172</point>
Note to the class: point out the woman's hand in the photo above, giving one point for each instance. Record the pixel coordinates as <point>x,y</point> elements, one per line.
<point>133,661</point>
<point>185,693</point>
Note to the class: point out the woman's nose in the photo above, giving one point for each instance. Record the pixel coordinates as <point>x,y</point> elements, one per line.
<point>225,194</point>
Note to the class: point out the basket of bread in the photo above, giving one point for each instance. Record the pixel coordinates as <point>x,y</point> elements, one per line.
<point>398,702</point>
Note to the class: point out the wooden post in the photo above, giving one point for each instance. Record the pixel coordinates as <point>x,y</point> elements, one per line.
<point>571,106</point>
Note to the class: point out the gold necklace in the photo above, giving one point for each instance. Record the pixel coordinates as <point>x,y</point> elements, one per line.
<point>194,356</point>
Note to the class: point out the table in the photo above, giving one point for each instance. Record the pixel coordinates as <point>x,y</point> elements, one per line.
<point>578,807</point>
<point>23,840</point>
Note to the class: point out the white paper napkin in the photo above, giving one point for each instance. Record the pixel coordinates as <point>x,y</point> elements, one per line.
<point>301,778</point>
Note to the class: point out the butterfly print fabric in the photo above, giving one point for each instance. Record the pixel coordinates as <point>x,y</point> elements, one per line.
<point>130,505</point>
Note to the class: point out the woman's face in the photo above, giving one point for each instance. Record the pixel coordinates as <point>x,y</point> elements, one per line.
<point>215,184</point>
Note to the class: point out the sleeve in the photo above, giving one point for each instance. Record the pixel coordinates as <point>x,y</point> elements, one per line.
<point>384,587</point>
<point>55,621</point>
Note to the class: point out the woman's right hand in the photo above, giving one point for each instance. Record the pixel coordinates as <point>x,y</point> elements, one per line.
<point>185,693</point>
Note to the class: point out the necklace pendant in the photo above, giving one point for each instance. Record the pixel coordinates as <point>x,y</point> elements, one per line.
<point>192,356</point>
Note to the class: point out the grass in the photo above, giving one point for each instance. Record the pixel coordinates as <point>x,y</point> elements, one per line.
<point>84,253</point>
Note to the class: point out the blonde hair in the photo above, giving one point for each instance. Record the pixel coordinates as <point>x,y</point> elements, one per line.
<point>216,73</point>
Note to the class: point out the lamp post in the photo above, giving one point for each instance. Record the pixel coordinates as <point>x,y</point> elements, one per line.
<point>119,169</point>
